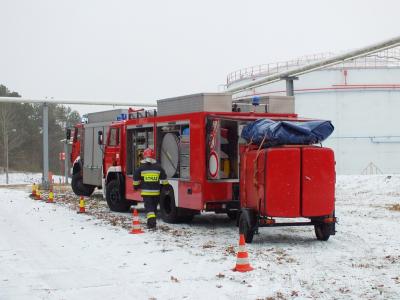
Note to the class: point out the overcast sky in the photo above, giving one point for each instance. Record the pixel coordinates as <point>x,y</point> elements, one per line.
<point>140,51</point>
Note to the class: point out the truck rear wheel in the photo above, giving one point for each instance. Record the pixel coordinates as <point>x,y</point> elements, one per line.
<point>79,188</point>
<point>169,212</point>
<point>247,226</point>
<point>324,230</point>
<point>115,198</point>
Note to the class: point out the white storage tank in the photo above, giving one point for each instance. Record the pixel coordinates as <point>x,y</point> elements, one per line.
<point>362,99</point>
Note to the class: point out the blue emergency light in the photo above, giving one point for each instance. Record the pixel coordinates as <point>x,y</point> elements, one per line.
<point>255,100</point>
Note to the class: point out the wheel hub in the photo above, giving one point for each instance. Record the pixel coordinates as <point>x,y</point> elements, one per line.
<point>114,196</point>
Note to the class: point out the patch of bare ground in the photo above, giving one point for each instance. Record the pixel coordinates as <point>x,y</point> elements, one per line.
<point>394,207</point>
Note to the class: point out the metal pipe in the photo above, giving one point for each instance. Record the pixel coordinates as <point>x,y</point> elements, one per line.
<point>66,167</point>
<point>69,101</point>
<point>6,147</point>
<point>45,181</point>
<point>387,44</point>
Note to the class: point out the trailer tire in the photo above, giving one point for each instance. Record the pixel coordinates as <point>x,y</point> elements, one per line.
<point>115,198</point>
<point>324,230</point>
<point>247,225</point>
<point>79,188</point>
<point>232,214</point>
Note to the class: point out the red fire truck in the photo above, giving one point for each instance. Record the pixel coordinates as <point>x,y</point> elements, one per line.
<point>197,141</point>
<point>86,155</point>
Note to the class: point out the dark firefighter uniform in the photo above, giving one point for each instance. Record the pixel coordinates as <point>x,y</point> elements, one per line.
<point>150,177</point>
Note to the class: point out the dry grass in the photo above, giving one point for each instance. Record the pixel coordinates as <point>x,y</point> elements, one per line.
<point>395,207</point>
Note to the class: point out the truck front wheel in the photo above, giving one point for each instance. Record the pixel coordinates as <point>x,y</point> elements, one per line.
<point>169,212</point>
<point>79,188</point>
<point>115,198</point>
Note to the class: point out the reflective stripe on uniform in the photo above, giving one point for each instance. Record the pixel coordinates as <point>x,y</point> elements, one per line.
<point>150,192</point>
<point>136,182</point>
<point>149,172</point>
<point>164,182</point>
<point>151,215</point>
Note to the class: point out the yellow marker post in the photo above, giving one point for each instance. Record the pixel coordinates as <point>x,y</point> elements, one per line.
<point>81,206</point>
<point>51,197</point>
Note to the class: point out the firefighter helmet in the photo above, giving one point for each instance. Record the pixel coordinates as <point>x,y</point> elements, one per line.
<point>148,153</point>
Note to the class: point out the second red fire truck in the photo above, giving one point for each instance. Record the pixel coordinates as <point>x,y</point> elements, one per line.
<point>197,140</point>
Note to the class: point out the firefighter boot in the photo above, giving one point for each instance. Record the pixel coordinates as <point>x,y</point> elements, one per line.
<point>151,223</point>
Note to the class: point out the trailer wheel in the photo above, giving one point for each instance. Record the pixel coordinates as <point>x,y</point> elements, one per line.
<point>246,226</point>
<point>115,198</point>
<point>324,230</point>
<point>79,188</point>
<point>232,214</point>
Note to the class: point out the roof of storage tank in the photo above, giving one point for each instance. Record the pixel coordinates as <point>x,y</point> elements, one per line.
<point>389,58</point>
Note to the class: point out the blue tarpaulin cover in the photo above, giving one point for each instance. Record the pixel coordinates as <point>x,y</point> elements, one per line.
<point>286,132</point>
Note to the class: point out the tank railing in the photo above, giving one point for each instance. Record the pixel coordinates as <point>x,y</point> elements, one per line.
<point>272,68</point>
<point>386,58</point>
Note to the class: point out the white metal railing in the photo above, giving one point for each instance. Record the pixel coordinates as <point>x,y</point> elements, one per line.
<point>386,58</point>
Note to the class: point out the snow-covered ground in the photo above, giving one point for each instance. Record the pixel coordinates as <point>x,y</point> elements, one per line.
<point>47,251</point>
<point>26,178</point>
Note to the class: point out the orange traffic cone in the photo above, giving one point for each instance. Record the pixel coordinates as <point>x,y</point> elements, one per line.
<point>81,206</point>
<point>51,197</point>
<point>136,225</point>
<point>33,193</point>
<point>242,261</point>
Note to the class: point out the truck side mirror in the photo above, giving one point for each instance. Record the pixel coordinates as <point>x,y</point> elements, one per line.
<point>68,134</point>
<point>100,137</point>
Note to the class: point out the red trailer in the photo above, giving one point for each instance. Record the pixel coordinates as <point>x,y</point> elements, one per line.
<point>197,141</point>
<point>287,182</point>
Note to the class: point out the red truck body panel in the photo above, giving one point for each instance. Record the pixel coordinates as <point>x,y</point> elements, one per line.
<point>191,195</point>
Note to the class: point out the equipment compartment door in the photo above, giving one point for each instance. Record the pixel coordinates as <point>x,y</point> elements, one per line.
<point>282,195</point>
<point>318,181</point>
<point>93,156</point>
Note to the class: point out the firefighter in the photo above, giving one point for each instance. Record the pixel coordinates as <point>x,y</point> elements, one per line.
<point>150,177</point>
